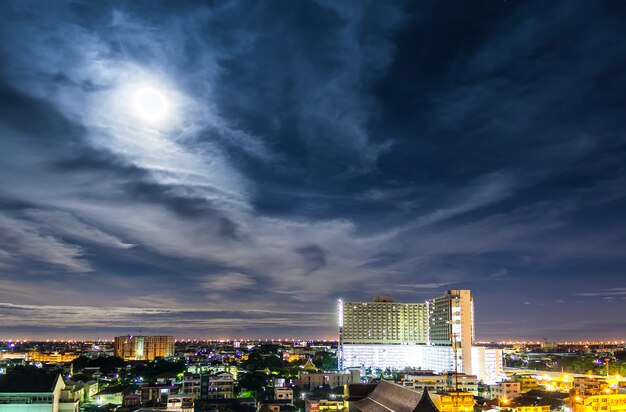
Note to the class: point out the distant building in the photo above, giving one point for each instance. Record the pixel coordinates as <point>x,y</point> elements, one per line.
<point>180,403</point>
<point>228,405</point>
<point>70,399</point>
<point>218,386</point>
<point>505,391</point>
<point>323,405</point>
<point>445,382</point>
<point>283,394</point>
<point>90,388</point>
<point>487,365</point>
<point>156,395</point>
<point>605,403</point>
<point>532,408</point>
<point>54,357</point>
<point>311,380</point>
<point>131,400</point>
<point>453,401</point>
<point>112,395</point>
<point>191,384</point>
<point>270,406</point>
<point>143,347</point>
<point>527,382</point>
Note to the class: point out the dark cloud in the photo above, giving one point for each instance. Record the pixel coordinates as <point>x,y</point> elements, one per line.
<point>35,118</point>
<point>400,148</point>
<point>314,257</point>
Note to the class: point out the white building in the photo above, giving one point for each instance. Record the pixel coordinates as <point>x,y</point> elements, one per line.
<point>384,321</point>
<point>311,380</point>
<point>436,335</point>
<point>506,390</point>
<point>191,384</point>
<point>451,324</point>
<point>180,403</point>
<point>30,393</point>
<point>381,356</point>
<point>445,382</point>
<point>283,394</point>
<point>487,364</point>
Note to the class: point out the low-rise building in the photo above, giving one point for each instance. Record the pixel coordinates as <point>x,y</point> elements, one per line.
<point>310,380</point>
<point>90,388</point>
<point>112,395</point>
<point>589,385</point>
<point>191,384</point>
<point>600,403</point>
<point>269,406</point>
<point>156,395</point>
<point>532,408</point>
<point>323,405</point>
<point>70,399</point>
<point>232,369</point>
<point>218,386</point>
<point>53,358</point>
<point>30,392</point>
<point>433,382</point>
<point>283,394</point>
<point>506,390</point>
<point>131,400</point>
<point>527,382</point>
<point>453,401</point>
<point>180,403</point>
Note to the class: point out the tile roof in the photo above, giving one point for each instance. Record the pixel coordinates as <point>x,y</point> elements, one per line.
<point>425,404</point>
<point>390,397</point>
<point>358,391</point>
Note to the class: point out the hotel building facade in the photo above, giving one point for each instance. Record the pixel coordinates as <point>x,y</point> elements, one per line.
<point>435,335</point>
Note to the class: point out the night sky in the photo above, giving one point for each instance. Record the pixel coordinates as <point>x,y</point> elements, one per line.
<point>309,151</point>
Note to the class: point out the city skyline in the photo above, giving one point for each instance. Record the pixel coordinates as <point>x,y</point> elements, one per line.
<point>231,169</point>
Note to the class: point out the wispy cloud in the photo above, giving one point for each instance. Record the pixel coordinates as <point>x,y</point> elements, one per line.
<point>22,240</point>
<point>336,153</point>
<point>229,282</point>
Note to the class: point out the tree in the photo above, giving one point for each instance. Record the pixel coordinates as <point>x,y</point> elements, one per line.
<point>252,381</point>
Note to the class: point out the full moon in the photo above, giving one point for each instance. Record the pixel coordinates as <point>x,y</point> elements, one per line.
<point>150,105</point>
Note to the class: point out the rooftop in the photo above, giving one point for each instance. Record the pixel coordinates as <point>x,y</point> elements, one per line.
<point>390,397</point>
<point>24,382</point>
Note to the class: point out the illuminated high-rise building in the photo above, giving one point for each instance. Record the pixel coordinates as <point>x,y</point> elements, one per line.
<point>143,347</point>
<point>437,335</point>
<point>385,321</point>
<point>378,329</point>
<point>451,324</point>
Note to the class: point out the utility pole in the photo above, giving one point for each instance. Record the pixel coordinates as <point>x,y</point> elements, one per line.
<point>456,373</point>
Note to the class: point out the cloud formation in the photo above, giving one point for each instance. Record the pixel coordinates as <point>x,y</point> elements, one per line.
<point>311,151</point>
